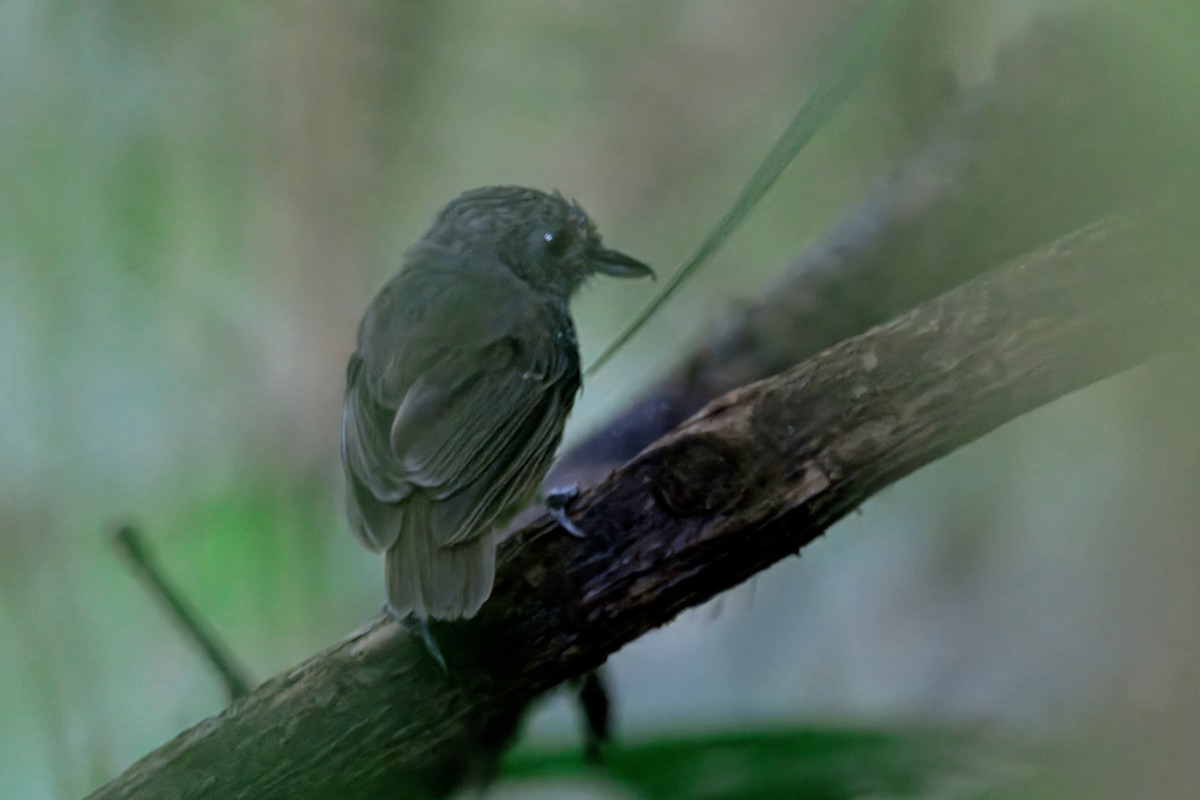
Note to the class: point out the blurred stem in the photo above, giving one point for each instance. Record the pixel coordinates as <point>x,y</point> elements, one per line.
<point>857,53</point>
<point>131,545</point>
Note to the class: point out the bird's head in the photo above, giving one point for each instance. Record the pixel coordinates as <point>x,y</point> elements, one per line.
<point>545,239</point>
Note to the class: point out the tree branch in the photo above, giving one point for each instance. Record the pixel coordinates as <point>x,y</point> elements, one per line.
<point>751,479</point>
<point>1073,126</point>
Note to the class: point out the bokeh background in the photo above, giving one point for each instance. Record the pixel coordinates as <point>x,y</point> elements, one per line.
<point>198,200</point>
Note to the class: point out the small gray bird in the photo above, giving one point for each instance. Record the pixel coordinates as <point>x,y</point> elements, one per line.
<point>456,397</point>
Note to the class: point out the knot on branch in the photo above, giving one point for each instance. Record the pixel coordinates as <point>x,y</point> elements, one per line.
<point>699,475</point>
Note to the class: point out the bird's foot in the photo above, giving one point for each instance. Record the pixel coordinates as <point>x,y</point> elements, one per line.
<point>421,628</point>
<point>556,501</point>
<point>596,705</point>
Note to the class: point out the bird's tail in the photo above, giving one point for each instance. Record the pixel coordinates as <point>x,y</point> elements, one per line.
<point>437,582</point>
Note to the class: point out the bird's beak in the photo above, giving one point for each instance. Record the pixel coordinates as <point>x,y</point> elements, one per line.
<point>619,265</point>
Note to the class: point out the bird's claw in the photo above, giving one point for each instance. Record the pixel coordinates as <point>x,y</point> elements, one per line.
<point>556,501</point>
<point>421,628</point>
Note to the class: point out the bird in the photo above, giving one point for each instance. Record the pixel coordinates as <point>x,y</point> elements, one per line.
<point>465,370</point>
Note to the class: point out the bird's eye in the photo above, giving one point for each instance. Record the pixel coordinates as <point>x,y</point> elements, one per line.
<point>556,242</point>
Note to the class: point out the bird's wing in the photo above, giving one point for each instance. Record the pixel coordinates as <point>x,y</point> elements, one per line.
<point>494,440</point>
<point>459,391</point>
<point>374,489</point>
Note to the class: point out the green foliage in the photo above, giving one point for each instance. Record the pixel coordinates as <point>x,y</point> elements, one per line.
<point>785,764</point>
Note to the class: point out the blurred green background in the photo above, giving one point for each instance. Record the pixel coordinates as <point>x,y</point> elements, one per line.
<point>197,202</point>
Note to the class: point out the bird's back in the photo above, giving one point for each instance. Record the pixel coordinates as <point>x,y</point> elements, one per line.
<point>455,403</point>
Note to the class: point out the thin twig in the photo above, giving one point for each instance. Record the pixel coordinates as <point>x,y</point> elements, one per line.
<point>130,544</point>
